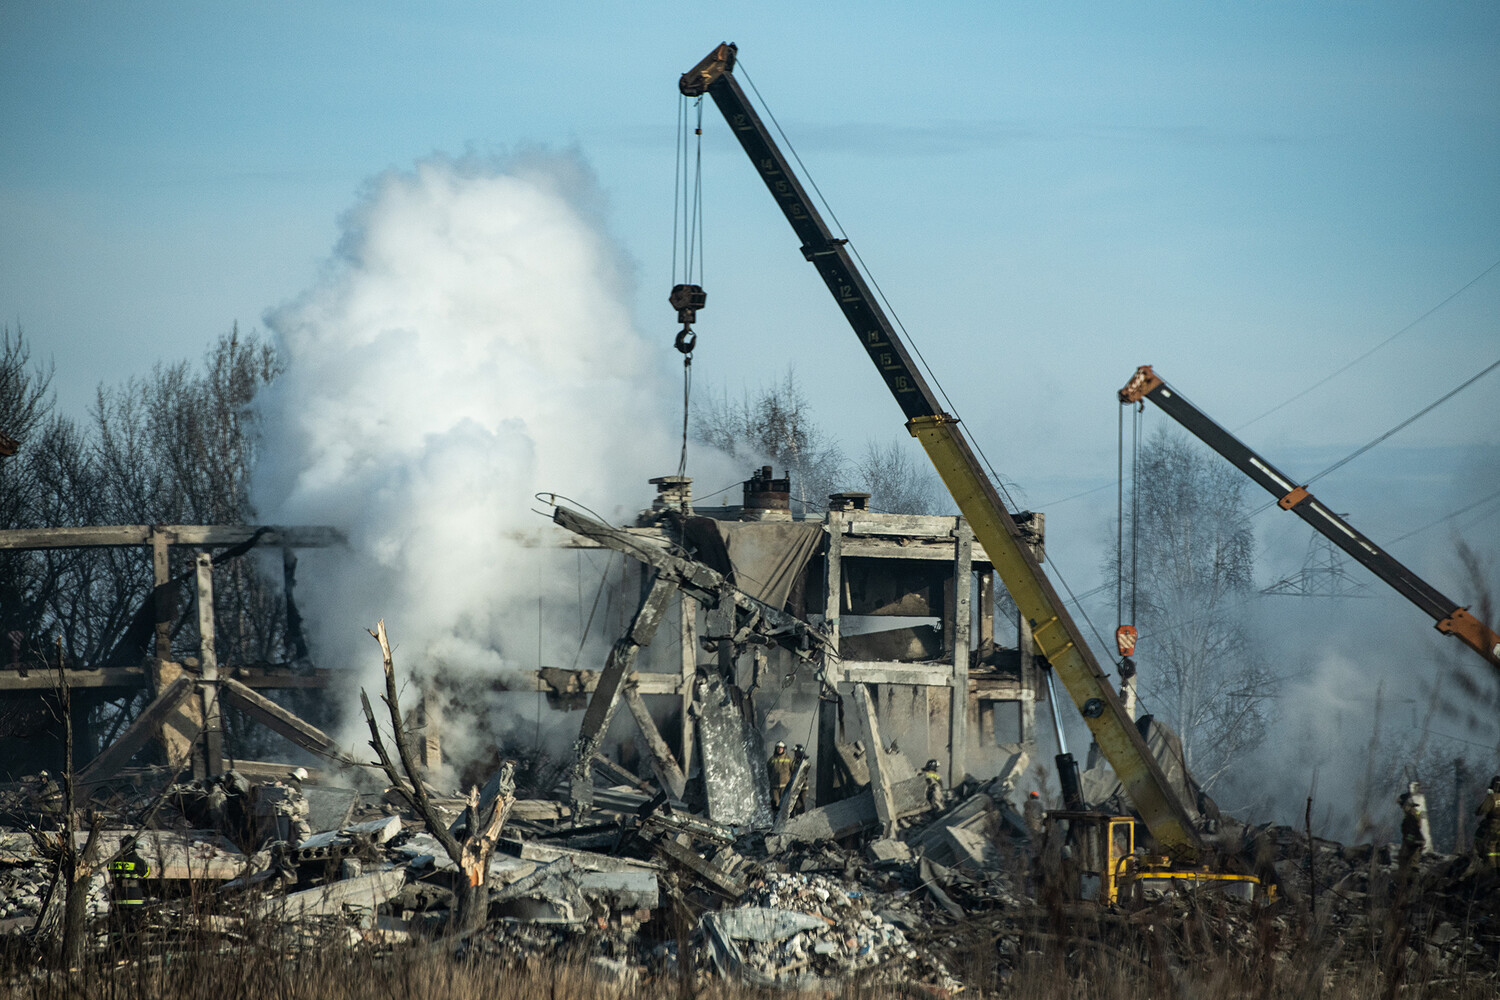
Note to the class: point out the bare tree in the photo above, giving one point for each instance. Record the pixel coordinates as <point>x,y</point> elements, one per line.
<point>898,483</point>
<point>483,820</point>
<point>26,403</point>
<point>175,446</point>
<point>775,427</point>
<point>1195,556</point>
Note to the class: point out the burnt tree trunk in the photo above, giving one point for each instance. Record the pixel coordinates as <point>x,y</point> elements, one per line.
<point>484,817</point>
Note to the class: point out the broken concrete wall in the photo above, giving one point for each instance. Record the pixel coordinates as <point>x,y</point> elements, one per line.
<point>733,759</point>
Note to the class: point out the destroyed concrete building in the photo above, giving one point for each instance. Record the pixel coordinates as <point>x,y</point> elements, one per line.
<point>778,636</point>
<point>904,609</point>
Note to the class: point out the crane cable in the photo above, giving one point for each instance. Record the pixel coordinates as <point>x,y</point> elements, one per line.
<point>687,213</point>
<point>895,318</point>
<point>1126,632</point>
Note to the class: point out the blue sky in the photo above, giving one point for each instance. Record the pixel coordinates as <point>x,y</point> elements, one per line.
<point>1245,195</point>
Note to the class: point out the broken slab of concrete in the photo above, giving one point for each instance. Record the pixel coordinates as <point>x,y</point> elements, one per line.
<point>548,895</point>
<point>638,890</point>
<point>361,895</point>
<point>887,849</point>
<point>850,816</point>
<point>544,853</point>
<point>712,876</point>
<point>880,769</point>
<point>966,850</point>
<point>732,759</point>
<point>852,756</point>
<point>793,792</point>
<point>198,854</point>
<point>376,831</point>
<point>561,892</point>
<point>328,807</point>
<point>1018,759</point>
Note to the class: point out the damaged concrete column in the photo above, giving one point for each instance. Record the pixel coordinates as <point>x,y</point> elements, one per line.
<point>721,630</point>
<point>1035,530</point>
<point>958,705</point>
<point>607,691</point>
<point>880,778</point>
<point>688,640</point>
<point>430,719</point>
<point>669,776</point>
<point>179,729</point>
<point>828,706</point>
<point>213,727</point>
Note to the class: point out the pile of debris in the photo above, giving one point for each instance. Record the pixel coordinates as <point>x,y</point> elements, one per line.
<point>642,879</point>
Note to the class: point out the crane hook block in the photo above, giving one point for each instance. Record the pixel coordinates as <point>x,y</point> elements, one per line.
<point>687,300</point>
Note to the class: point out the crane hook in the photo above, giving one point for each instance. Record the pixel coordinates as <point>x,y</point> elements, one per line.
<point>687,300</point>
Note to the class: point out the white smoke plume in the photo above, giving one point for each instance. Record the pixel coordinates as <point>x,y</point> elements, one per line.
<point>468,345</point>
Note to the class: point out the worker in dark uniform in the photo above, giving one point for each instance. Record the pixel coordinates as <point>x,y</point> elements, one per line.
<point>1487,834</point>
<point>1413,843</point>
<point>779,771</point>
<point>936,798</point>
<point>799,754</point>
<point>128,873</point>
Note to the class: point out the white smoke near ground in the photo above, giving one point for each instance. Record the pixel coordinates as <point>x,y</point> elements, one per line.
<point>468,346</point>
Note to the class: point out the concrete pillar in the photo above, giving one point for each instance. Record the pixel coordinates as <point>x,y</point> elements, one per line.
<point>986,606</point>
<point>213,725</point>
<point>687,609</point>
<point>1031,681</point>
<point>430,747</point>
<point>828,706</point>
<point>958,712</point>
<point>161,572</point>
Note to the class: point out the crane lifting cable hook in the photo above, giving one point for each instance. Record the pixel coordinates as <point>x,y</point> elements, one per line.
<point>687,300</point>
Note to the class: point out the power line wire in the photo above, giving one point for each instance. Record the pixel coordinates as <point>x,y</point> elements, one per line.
<point>1402,425</point>
<point>1445,517</point>
<point>1325,379</point>
<point>1408,421</point>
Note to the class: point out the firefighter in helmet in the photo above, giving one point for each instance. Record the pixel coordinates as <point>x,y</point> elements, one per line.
<point>1487,835</point>
<point>779,771</point>
<point>934,778</point>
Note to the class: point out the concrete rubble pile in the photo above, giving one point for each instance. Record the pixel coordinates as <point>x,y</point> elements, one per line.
<point>829,898</point>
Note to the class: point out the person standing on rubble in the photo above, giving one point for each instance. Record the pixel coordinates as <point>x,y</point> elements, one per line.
<point>779,771</point>
<point>128,873</point>
<point>1487,834</point>
<point>1413,843</point>
<point>297,811</point>
<point>1034,815</point>
<point>799,754</point>
<point>936,797</point>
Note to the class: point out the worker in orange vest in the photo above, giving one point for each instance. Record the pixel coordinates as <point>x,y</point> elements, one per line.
<point>779,771</point>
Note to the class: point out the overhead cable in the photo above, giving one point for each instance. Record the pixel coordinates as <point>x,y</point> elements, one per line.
<point>1325,379</point>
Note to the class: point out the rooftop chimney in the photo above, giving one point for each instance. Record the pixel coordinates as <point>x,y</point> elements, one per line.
<point>767,498</point>
<point>848,501</point>
<point>673,493</point>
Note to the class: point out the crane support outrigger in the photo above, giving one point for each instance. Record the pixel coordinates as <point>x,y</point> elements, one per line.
<point>1056,635</point>
<point>1449,617</point>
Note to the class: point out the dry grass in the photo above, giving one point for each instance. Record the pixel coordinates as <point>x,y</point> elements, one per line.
<point>261,971</point>
<point>1106,956</point>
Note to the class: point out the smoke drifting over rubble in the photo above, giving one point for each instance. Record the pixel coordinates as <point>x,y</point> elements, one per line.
<point>468,345</point>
